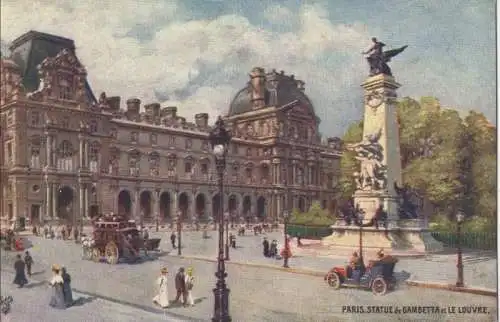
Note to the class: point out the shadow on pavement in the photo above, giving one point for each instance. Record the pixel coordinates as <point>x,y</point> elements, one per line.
<point>83,300</point>
<point>36,284</point>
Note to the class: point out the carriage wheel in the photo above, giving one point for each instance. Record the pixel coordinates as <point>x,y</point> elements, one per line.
<point>96,255</point>
<point>379,286</point>
<point>111,253</point>
<point>333,280</point>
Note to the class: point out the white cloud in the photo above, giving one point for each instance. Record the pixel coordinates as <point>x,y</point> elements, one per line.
<point>208,59</point>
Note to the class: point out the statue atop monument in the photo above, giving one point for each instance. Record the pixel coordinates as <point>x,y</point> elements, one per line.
<point>378,59</point>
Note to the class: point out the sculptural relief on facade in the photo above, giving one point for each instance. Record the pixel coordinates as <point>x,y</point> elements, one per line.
<point>373,173</point>
<point>154,164</point>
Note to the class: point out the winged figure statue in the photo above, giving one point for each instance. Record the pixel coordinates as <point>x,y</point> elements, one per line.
<point>378,59</point>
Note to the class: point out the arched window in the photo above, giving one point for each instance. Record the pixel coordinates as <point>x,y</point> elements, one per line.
<point>94,157</point>
<point>35,152</point>
<point>35,157</point>
<point>65,160</point>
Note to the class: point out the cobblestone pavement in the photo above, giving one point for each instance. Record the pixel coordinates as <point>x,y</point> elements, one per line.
<point>480,268</point>
<point>31,304</point>
<point>257,294</point>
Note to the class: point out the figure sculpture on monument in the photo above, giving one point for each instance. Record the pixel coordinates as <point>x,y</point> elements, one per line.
<point>378,59</point>
<point>369,153</point>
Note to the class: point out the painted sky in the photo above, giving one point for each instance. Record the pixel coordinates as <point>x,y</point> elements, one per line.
<point>196,54</point>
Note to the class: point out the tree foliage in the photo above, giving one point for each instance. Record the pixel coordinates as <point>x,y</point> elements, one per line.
<point>449,160</point>
<point>315,216</point>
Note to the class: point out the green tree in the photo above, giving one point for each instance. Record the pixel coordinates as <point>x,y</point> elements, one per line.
<point>448,160</point>
<point>481,179</point>
<point>315,216</point>
<point>348,162</point>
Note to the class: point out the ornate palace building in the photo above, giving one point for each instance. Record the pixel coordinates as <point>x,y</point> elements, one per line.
<point>67,155</point>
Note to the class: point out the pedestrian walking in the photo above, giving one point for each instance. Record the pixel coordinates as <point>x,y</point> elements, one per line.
<point>265,247</point>
<point>180,286</point>
<point>28,260</point>
<point>161,297</point>
<point>19,266</point>
<point>68,294</point>
<point>173,239</point>
<point>189,282</point>
<point>57,293</point>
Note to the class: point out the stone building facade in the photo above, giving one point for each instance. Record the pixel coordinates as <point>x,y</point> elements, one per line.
<point>68,156</point>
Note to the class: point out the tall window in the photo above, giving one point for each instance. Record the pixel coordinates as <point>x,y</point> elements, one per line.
<point>65,90</point>
<point>154,163</point>
<point>35,157</point>
<point>10,153</point>
<point>65,160</point>
<point>94,157</point>
<point>300,176</point>
<point>93,126</point>
<point>65,122</point>
<point>134,162</point>
<point>188,166</point>
<point>35,118</point>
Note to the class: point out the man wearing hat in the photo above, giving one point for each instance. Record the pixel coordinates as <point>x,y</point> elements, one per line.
<point>180,286</point>
<point>162,296</point>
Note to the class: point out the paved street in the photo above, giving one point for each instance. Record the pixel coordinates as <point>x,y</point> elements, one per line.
<point>479,267</point>
<point>257,294</point>
<point>31,304</point>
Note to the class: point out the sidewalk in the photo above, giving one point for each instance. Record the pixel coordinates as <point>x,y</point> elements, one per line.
<point>400,276</point>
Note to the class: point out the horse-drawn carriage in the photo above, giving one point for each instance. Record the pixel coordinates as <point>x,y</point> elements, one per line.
<point>377,276</point>
<point>114,239</point>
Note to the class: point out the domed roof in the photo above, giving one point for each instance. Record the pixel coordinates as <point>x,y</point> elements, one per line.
<point>288,89</point>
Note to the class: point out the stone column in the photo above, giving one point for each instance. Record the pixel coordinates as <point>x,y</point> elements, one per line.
<point>279,206</point>
<point>48,201</point>
<point>55,193</point>
<point>81,151</point>
<point>86,149</point>
<point>174,204</point>
<point>137,206</point>
<point>157,205</point>
<point>87,201</point>
<point>49,152</point>
<point>81,197</point>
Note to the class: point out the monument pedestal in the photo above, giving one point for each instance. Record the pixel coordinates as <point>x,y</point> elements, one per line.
<point>398,240</point>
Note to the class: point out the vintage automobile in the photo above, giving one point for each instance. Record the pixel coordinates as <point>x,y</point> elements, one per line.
<point>116,238</point>
<point>377,276</point>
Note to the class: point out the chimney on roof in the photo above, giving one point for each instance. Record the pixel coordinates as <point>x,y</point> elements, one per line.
<point>258,86</point>
<point>169,112</point>
<point>114,103</point>
<point>133,107</point>
<point>201,120</point>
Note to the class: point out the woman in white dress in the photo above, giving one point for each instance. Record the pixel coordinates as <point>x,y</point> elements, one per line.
<point>189,282</point>
<point>161,283</point>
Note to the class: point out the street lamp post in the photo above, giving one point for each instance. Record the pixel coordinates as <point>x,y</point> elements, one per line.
<point>460,266</point>
<point>360,218</point>
<point>226,218</point>
<point>286,252</point>
<point>157,210</point>
<point>219,139</point>
<point>179,233</point>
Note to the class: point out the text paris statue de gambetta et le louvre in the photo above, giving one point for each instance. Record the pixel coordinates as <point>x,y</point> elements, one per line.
<point>378,59</point>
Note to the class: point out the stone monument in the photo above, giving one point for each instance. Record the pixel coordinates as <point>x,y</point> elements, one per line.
<point>380,175</point>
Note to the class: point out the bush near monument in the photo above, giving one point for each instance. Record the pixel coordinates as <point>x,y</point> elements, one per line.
<point>313,224</point>
<point>448,160</point>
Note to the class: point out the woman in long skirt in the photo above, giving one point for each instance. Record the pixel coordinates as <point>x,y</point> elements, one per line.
<point>189,282</point>
<point>68,294</point>
<point>161,297</point>
<point>56,283</point>
<point>19,266</point>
